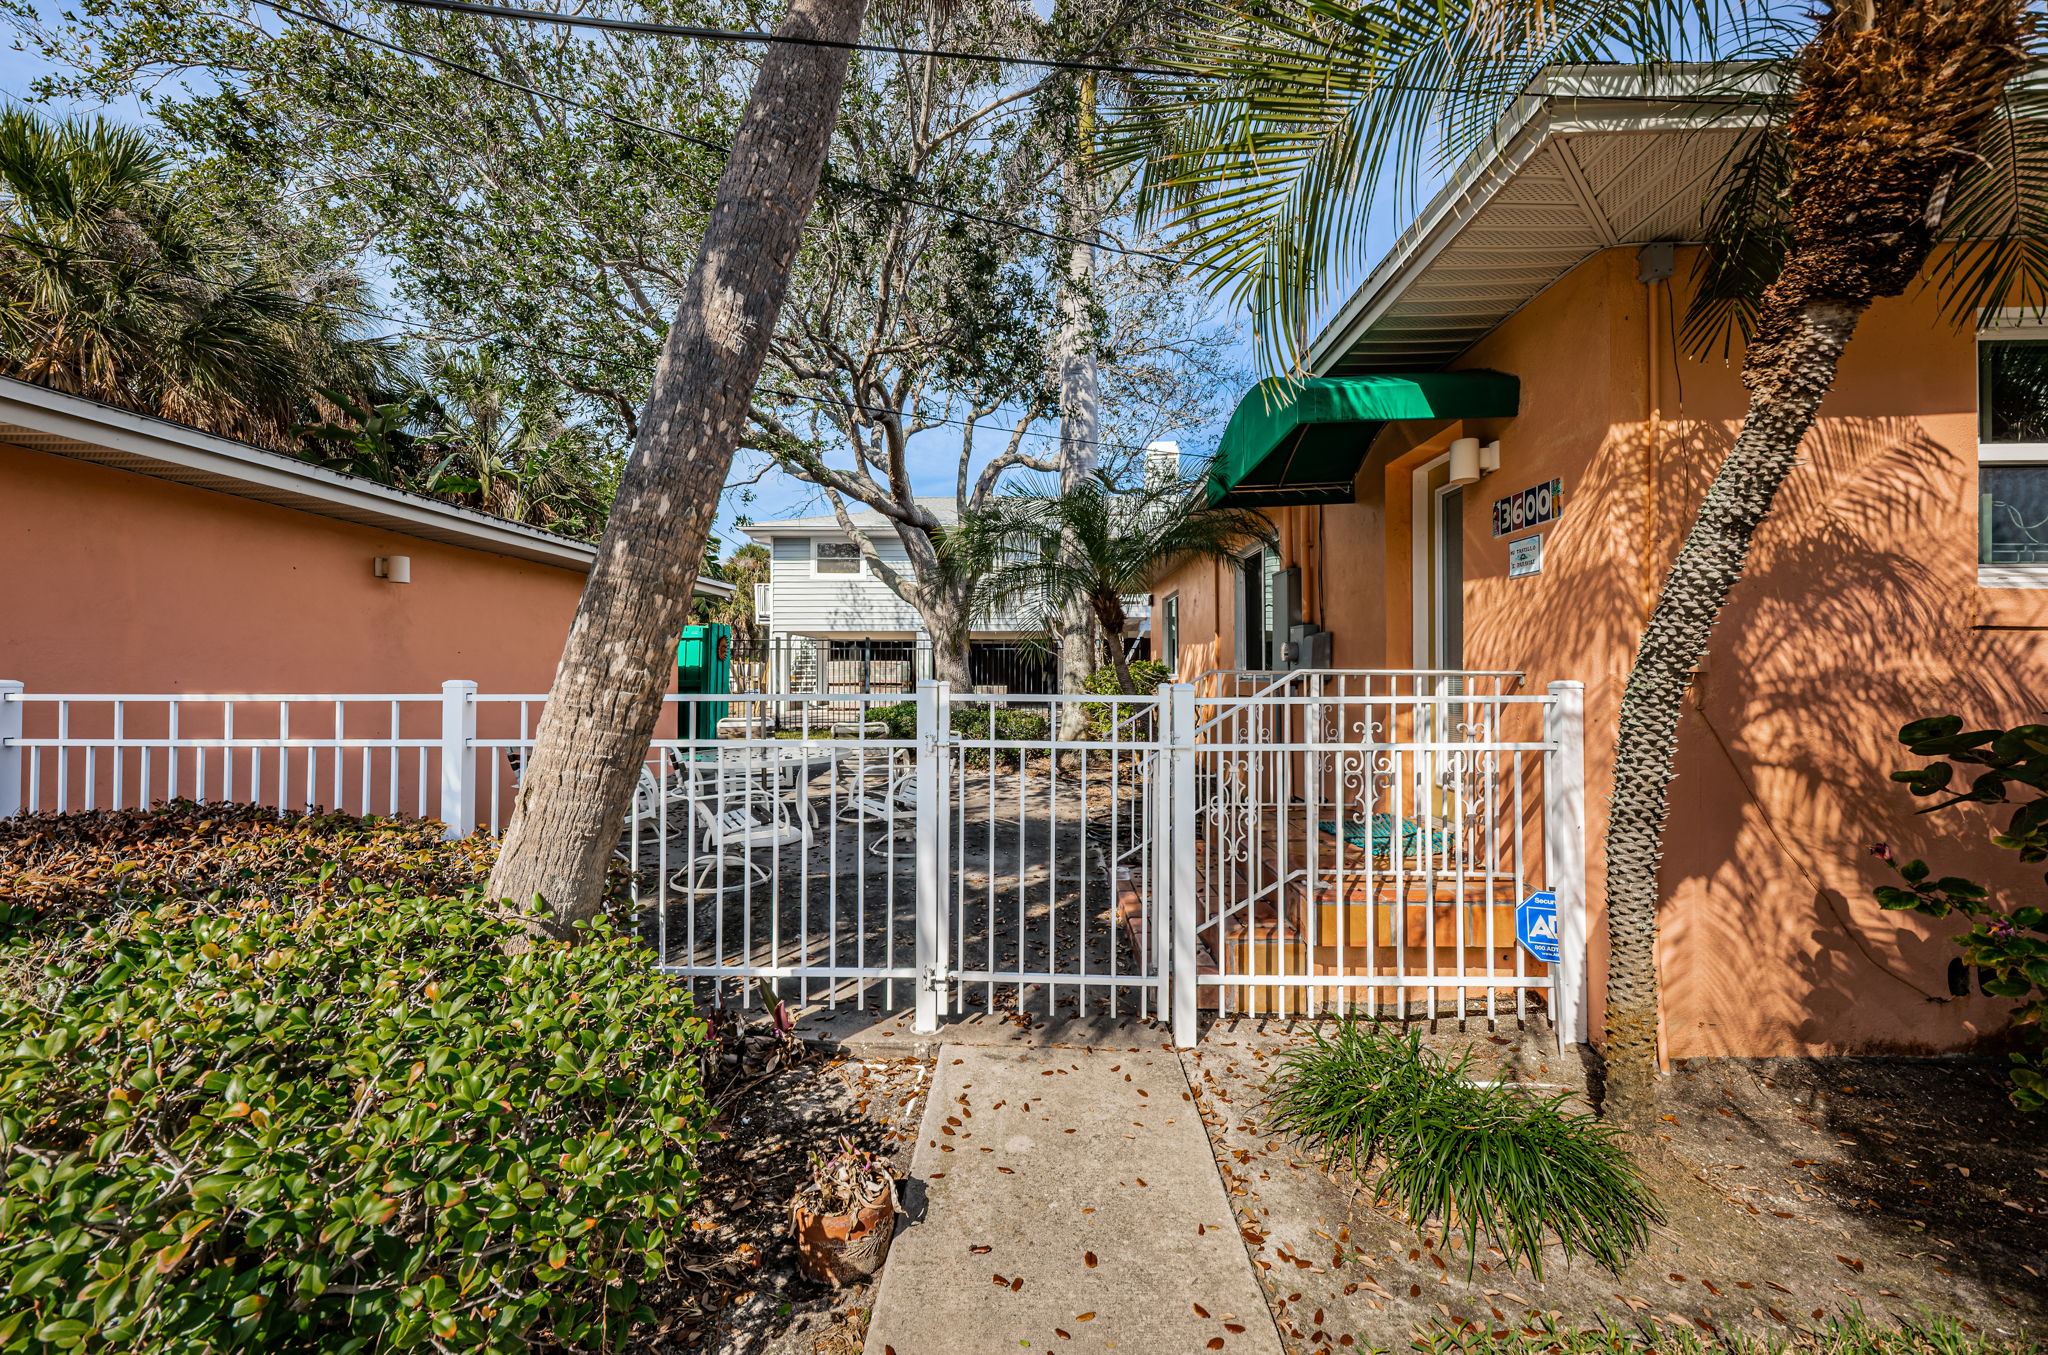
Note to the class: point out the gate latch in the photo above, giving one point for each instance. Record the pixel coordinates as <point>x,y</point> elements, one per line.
<point>932,978</point>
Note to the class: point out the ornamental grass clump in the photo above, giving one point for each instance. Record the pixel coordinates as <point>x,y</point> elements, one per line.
<point>1853,1334</point>
<point>339,1125</point>
<point>1489,1161</point>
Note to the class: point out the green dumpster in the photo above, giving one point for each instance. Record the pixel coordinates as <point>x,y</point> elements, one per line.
<point>704,666</point>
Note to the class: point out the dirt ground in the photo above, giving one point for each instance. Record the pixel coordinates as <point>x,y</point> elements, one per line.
<point>741,1292</point>
<point>1796,1190</point>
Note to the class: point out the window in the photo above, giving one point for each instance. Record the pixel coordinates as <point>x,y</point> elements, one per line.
<point>2012,382</point>
<point>1169,631</point>
<point>2012,454</point>
<point>835,557</point>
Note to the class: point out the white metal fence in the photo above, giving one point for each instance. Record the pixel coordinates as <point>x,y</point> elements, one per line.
<point>1281,843</point>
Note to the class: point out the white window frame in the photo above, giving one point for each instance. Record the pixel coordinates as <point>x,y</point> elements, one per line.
<point>2007,324</point>
<point>1169,629</point>
<point>818,543</point>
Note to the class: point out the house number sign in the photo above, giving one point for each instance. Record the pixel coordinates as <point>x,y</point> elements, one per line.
<point>1530,508</point>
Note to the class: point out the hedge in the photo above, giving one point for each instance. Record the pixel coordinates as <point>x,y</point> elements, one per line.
<point>338,1122</point>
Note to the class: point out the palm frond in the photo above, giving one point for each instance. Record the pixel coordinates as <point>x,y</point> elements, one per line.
<point>1744,229</point>
<point>1998,215</point>
<point>1039,550</point>
<point>1298,120</point>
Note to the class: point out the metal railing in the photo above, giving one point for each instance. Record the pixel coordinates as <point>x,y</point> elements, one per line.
<point>1328,842</point>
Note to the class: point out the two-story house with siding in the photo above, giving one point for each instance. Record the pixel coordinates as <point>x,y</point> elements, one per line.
<point>825,612</point>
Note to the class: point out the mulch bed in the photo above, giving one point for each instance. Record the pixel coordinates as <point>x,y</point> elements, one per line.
<point>739,1290</point>
<point>1798,1190</point>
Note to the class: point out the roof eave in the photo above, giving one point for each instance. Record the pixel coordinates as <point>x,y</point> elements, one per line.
<point>83,429</point>
<point>1562,102</point>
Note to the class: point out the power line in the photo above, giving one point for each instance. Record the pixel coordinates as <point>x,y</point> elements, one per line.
<point>482,74</point>
<point>652,28</point>
<point>656,28</point>
<point>834,180</point>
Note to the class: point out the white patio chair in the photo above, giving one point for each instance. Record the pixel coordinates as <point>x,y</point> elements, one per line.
<point>732,822</point>
<point>886,792</point>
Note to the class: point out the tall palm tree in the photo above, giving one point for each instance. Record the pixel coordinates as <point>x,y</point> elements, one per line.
<point>115,285</point>
<point>503,446</point>
<point>1044,548</point>
<point>1886,128</point>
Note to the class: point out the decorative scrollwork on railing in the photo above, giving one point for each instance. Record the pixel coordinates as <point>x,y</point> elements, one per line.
<point>1228,815</point>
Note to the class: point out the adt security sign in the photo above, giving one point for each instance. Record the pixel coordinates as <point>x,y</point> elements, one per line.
<point>1536,925</point>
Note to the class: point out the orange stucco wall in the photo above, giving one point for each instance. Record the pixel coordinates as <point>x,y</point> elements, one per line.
<point>1860,610</point>
<point>122,583</point>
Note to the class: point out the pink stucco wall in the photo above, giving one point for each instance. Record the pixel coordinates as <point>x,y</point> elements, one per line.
<point>117,582</point>
<point>1860,609</point>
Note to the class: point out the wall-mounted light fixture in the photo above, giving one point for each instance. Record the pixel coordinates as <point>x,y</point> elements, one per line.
<point>1464,468</point>
<point>395,568</point>
<point>1489,458</point>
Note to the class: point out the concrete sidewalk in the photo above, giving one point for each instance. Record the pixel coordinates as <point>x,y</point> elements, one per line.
<point>1070,1202</point>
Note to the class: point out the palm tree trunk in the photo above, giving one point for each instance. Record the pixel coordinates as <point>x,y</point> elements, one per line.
<point>1703,573</point>
<point>1891,100</point>
<point>601,710</point>
<point>1109,614</point>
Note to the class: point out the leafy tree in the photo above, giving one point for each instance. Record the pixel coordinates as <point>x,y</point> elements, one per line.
<point>1096,544</point>
<point>544,231</point>
<point>912,327</point>
<point>1885,128</point>
<point>116,284</point>
<point>553,228</point>
<point>476,435</point>
<point>506,447</point>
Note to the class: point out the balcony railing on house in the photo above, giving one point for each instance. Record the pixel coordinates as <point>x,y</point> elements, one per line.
<point>1297,843</point>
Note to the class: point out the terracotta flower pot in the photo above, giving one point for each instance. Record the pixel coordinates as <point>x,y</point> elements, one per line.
<point>838,1249</point>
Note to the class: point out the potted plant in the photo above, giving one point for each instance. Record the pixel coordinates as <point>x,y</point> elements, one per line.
<point>844,1217</point>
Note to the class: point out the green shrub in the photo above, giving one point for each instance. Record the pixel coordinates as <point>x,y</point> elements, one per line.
<point>900,718</point>
<point>972,722</point>
<point>1103,716</point>
<point>1146,675</point>
<point>2008,946</point>
<point>339,1124</point>
<point>1487,1160</point>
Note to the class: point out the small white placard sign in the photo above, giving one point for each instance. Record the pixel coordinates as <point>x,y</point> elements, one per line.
<point>1525,556</point>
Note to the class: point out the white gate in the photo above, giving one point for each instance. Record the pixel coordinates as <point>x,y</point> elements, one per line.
<point>1047,854</point>
<point>1292,844</point>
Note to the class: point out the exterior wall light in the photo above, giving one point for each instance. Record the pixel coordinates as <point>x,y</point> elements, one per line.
<point>1464,468</point>
<point>394,568</point>
<point>1489,458</point>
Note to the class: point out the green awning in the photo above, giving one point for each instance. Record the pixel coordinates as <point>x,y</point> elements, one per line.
<point>1295,442</point>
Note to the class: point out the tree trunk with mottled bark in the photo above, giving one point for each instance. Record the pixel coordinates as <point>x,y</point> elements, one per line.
<point>1080,414</point>
<point>1892,98</point>
<point>601,710</point>
<point>947,621</point>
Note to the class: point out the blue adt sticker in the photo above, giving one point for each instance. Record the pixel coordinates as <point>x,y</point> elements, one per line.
<point>1536,925</point>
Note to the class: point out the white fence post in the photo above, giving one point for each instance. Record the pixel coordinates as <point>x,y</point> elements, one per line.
<point>1564,853</point>
<point>458,759</point>
<point>932,713</point>
<point>1181,899</point>
<point>11,762</point>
